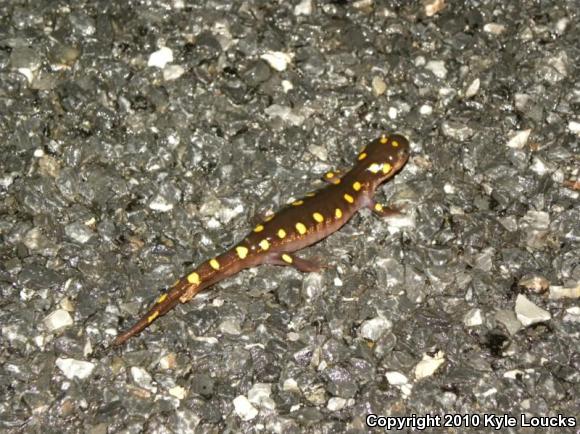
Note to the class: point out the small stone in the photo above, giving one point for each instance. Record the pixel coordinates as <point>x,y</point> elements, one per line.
<point>472,88</point>
<point>473,318</point>
<point>290,385</point>
<point>160,58</point>
<point>78,232</point>
<point>537,284</point>
<point>509,320</point>
<point>373,329</point>
<point>574,127</point>
<point>177,391</point>
<point>528,313</point>
<point>379,86</point>
<point>493,28</point>
<point>396,378</point>
<point>58,319</point>
<point>168,361</point>
<point>72,368</point>
<point>231,327</point>
<point>433,6</point>
<point>335,404</point>
<point>437,67</point>
<point>244,408</point>
<point>425,110</point>
<point>303,8</point>
<point>142,378</point>
<point>557,292</point>
<point>277,60</point>
<point>319,151</point>
<point>159,203</point>
<point>173,72</point>
<point>572,315</point>
<point>285,113</point>
<point>429,364</point>
<point>259,395</point>
<point>519,139</point>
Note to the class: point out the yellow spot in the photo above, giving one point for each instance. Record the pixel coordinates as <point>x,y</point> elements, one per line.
<point>300,228</point>
<point>270,217</point>
<point>214,264</point>
<point>193,278</point>
<point>378,207</point>
<point>330,175</point>
<point>387,168</point>
<point>338,213</point>
<point>348,198</point>
<point>318,217</point>
<point>152,317</point>
<point>281,233</point>
<point>311,194</point>
<point>297,202</point>
<point>384,140</point>
<point>242,252</point>
<point>362,156</point>
<point>259,228</point>
<point>287,258</point>
<point>162,298</point>
<point>264,244</point>
<point>356,186</point>
<point>395,144</point>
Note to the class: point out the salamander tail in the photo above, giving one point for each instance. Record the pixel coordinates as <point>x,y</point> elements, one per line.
<point>164,304</point>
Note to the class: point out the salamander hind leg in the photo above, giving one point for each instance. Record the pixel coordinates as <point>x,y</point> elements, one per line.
<point>384,211</point>
<point>290,260</point>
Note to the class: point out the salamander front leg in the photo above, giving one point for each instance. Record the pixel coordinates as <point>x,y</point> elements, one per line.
<point>287,259</point>
<point>383,211</point>
<point>333,176</point>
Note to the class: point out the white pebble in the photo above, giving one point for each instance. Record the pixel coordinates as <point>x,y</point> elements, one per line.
<point>72,368</point>
<point>303,8</point>
<point>425,109</point>
<point>277,59</point>
<point>161,57</point>
<point>173,72</point>
<point>437,67</point>
<point>396,378</point>
<point>58,319</point>
<point>335,404</point>
<point>159,203</point>
<point>178,392</point>
<point>433,6</point>
<point>472,88</point>
<point>557,292</point>
<point>428,366</point>
<point>142,378</point>
<point>519,139</point>
<point>493,28</point>
<point>473,318</point>
<point>528,313</point>
<point>259,395</point>
<point>373,329</point>
<point>574,127</point>
<point>244,408</point>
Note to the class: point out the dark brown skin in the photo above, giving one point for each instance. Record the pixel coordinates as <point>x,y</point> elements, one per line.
<point>294,227</point>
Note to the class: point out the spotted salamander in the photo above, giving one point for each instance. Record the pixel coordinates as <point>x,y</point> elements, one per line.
<point>300,224</point>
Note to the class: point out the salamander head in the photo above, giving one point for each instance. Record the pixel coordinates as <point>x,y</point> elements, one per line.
<point>384,157</point>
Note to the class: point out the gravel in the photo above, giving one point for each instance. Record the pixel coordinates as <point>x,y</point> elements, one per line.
<point>139,139</point>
